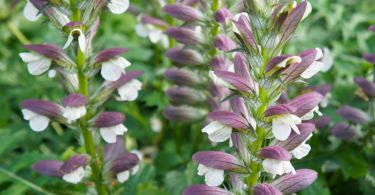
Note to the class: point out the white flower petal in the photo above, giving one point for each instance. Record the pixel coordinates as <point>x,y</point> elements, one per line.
<point>312,70</point>
<point>308,10</point>
<point>156,124</point>
<point>111,72</point>
<point>40,66</point>
<point>141,30</point>
<point>155,35</point>
<point>138,153</point>
<point>280,130</point>
<point>301,151</point>
<point>28,114</point>
<point>325,100</point>
<point>135,169</point>
<point>82,42</point>
<point>30,12</point>
<point>75,176</point>
<point>122,176</point>
<point>118,6</point>
<point>213,177</point>
<point>129,90</point>
<point>69,41</point>
<point>219,81</point>
<point>217,131</point>
<point>30,57</point>
<point>74,113</point>
<point>108,134</point>
<point>52,73</point>
<point>39,123</point>
<point>121,62</point>
<point>277,167</point>
<point>231,68</point>
<point>328,63</point>
<point>164,41</point>
<point>120,129</point>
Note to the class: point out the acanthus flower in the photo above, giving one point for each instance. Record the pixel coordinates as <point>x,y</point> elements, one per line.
<point>75,106</point>
<point>76,29</point>
<point>277,160</point>
<point>153,28</point>
<point>110,125</point>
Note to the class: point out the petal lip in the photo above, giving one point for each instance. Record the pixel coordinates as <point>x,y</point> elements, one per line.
<point>266,189</point>
<point>75,99</point>
<point>50,168</point>
<point>229,118</point>
<point>217,160</point>
<point>124,78</point>
<point>291,183</point>
<point>275,152</point>
<point>109,119</point>
<point>201,189</point>
<point>73,163</point>
<point>124,162</point>
<point>109,53</point>
<point>279,109</point>
<point>42,107</point>
<point>294,140</point>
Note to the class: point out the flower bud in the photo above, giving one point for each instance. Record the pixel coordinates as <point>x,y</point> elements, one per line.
<point>219,63</point>
<point>183,114</point>
<point>54,15</point>
<point>294,18</point>
<point>352,114</point>
<point>291,183</point>
<point>185,95</point>
<point>367,86</point>
<point>183,77</point>
<point>184,56</point>
<point>240,147</point>
<point>369,57</point>
<point>201,189</point>
<point>247,34</point>
<point>222,14</point>
<point>154,21</point>
<point>124,162</point>
<point>73,168</point>
<point>185,35</point>
<point>266,189</point>
<point>372,28</point>
<point>50,168</point>
<point>321,122</point>
<point>224,43</point>
<point>110,125</point>
<point>183,12</point>
<point>344,131</point>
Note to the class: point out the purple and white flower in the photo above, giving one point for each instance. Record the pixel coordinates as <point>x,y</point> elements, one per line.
<point>277,160</point>
<point>75,106</point>
<point>152,28</point>
<point>118,6</point>
<point>110,125</point>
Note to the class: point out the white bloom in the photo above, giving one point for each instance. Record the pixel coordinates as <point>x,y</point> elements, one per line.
<point>118,6</point>
<point>219,81</point>
<point>37,122</point>
<point>231,68</point>
<point>212,176</point>
<point>129,90</point>
<point>156,124</point>
<point>282,125</point>
<point>122,176</point>
<point>74,113</point>
<point>217,131</point>
<point>312,70</point>
<point>325,100</point>
<point>277,167</point>
<point>81,39</point>
<point>37,63</point>
<point>302,150</point>
<point>109,133</point>
<point>327,60</point>
<point>310,114</point>
<point>52,73</point>
<point>30,12</point>
<point>75,176</point>
<point>112,68</point>
<point>154,33</point>
<point>308,10</point>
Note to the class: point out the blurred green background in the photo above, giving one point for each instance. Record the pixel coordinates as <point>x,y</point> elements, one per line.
<point>340,25</point>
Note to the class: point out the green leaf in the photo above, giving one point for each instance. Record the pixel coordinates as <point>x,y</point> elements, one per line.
<point>233,95</point>
<point>145,174</point>
<point>352,164</point>
<point>175,182</point>
<point>148,189</point>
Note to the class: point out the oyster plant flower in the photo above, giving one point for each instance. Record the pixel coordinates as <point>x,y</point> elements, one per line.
<point>152,28</point>
<point>265,134</point>
<point>78,22</point>
<point>39,112</point>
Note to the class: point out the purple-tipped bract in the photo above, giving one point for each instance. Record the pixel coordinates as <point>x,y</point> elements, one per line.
<point>305,103</point>
<point>294,140</point>
<point>183,12</point>
<point>200,189</point>
<point>124,162</point>
<point>112,150</point>
<point>222,14</point>
<point>275,152</point>
<point>366,85</point>
<point>229,118</point>
<point>217,160</point>
<point>279,109</point>
<point>109,119</point>
<point>73,163</point>
<point>50,168</point>
<point>75,99</point>
<point>266,189</point>
<point>42,107</point>
<point>224,43</point>
<point>291,183</point>
<point>344,131</point>
<point>108,54</point>
<point>352,114</point>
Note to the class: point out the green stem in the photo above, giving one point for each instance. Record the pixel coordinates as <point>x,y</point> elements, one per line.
<point>18,33</point>
<point>215,30</point>
<point>87,135</point>
<point>170,21</point>
<point>257,144</point>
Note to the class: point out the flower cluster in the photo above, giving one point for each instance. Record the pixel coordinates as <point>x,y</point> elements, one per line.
<point>265,134</point>
<point>203,45</point>
<point>82,111</point>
